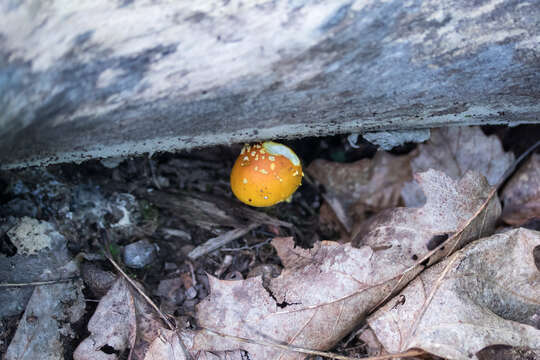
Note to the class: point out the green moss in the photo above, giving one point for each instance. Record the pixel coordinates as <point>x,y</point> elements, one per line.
<point>148,212</point>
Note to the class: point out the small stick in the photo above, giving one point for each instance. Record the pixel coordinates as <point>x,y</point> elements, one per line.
<point>219,241</point>
<point>409,353</point>
<point>37,283</point>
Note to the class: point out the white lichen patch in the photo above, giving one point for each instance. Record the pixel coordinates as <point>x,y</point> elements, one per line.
<point>31,235</point>
<point>124,202</point>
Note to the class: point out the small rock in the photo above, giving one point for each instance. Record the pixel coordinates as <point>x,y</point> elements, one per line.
<point>98,281</point>
<point>139,254</point>
<point>191,293</point>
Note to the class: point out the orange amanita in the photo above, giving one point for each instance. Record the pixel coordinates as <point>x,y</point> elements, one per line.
<point>266,174</point>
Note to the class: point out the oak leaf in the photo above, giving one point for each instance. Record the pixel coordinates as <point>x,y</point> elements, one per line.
<point>485,294</point>
<point>456,150</point>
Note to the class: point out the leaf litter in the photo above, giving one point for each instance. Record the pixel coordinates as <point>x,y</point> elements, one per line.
<point>366,186</point>
<point>486,294</point>
<point>330,288</point>
<point>324,292</point>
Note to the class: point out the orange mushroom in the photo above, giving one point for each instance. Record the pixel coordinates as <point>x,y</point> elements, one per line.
<point>265,174</point>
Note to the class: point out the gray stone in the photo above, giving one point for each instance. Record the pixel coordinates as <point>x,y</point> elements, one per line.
<point>48,319</point>
<point>41,251</point>
<point>139,254</point>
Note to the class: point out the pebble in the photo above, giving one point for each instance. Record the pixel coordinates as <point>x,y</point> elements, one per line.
<point>139,254</point>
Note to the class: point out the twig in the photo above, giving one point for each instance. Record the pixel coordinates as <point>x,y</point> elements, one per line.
<point>151,303</point>
<point>219,241</point>
<point>250,247</point>
<point>192,270</point>
<point>409,353</point>
<point>37,283</point>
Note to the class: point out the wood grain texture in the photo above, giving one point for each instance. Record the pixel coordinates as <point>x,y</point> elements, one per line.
<point>102,78</point>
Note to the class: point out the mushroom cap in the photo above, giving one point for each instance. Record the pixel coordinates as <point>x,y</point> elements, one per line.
<point>266,174</point>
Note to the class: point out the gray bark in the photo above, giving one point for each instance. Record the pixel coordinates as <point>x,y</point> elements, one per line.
<point>94,79</point>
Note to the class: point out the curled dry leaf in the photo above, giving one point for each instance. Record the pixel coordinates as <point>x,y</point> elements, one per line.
<point>456,150</point>
<point>521,196</point>
<point>324,292</point>
<point>367,185</point>
<point>483,295</point>
<point>113,324</point>
<point>122,320</point>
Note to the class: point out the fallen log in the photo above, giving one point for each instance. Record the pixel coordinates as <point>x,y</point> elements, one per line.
<point>96,79</point>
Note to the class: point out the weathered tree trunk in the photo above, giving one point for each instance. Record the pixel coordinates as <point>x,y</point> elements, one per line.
<point>82,79</point>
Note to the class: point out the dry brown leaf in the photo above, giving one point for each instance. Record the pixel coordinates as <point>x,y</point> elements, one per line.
<point>122,320</point>
<point>325,291</point>
<point>483,295</point>
<point>456,150</point>
<point>166,346</point>
<point>521,196</point>
<point>455,213</point>
<point>505,352</point>
<point>113,324</point>
<point>367,185</point>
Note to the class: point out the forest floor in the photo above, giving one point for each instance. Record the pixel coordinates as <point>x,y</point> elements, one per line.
<point>149,215</point>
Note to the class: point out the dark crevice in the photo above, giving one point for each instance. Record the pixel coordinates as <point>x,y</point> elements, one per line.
<point>107,349</point>
<point>282,304</point>
<point>7,248</point>
<point>536,256</point>
<point>437,240</point>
